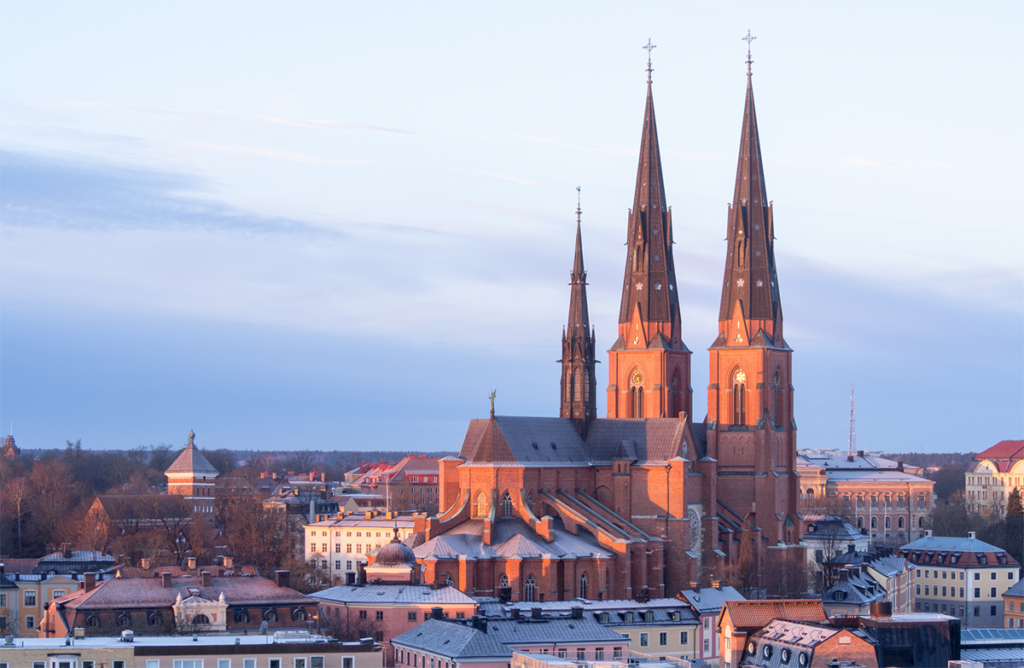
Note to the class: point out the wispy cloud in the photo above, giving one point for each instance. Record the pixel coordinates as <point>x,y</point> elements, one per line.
<point>606,148</point>
<point>893,166</point>
<point>525,182</point>
<point>273,154</point>
<point>333,125</point>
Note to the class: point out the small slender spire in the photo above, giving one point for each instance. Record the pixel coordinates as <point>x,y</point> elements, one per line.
<point>748,39</point>
<point>650,47</point>
<point>579,212</point>
<point>493,394</point>
<point>578,385</point>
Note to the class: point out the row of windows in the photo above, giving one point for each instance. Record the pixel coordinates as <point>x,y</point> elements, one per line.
<point>934,591</point>
<point>951,609</point>
<point>977,575</point>
<point>684,638</point>
<point>900,523</point>
<point>30,624</point>
<point>29,597</point>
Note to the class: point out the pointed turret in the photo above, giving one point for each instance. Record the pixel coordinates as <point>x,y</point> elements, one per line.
<point>579,386</point>
<point>649,365</point>
<point>750,285</point>
<point>650,278</point>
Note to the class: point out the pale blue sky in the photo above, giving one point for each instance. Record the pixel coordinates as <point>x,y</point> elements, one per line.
<point>340,225</point>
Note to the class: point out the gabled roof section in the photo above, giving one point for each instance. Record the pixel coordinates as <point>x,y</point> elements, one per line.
<point>756,614</point>
<point>649,441</point>
<point>452,640</point>
<point>1007,450</point>
<point>192,461</point>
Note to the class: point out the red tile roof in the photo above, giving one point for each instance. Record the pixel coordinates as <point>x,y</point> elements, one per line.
<point>757,614</point>
<point>1003,450</point>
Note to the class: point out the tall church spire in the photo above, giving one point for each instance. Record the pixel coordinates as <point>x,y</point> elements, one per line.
<point>649,365</point>
<point>579,386</point>
<point>750,278</point>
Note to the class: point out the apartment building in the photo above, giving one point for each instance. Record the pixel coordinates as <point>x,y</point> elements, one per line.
<point>961,577</point>
<point>339,545</point>
<point>996,472</point>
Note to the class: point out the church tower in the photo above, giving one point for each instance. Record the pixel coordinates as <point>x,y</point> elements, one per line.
<point>193,478</point>
<point>751,431</point>
<point>579,386</point>
<point>649,365</point>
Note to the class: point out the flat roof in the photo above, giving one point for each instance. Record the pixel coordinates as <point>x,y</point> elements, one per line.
<point>113,642</point>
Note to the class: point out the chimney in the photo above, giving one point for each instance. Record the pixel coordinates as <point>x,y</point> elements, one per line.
<point>282,578</point>
<point>204,578</point>
<point>145,563</point>
<point>881,609</point>
<point>695,586</point>
<point>273,476</point>
<point>436,613</point>
<point>263,475</point>
<point>79,632</point>
<point>515,613</point>
<point>90,581</point>
<point>66,549</point>
<point>927,533</point>
<point>323,476</point>
<point>535,612</point>
<point>577,613</point>
<point>480,623</point>
<point>165,580</point>
<point>716,584</point>
<point>191,563</point>
<point>229,562</point>
<point>851,549</point>
<point>844,573</point>
<point>971,535</point>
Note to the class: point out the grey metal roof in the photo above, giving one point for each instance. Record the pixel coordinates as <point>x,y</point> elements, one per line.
<point>452,640</point>
<point>951,544</point>
<point>711,600</point>
<point>663,611</point>
<point>526,631</point>
<point>508,537</point>
<point>993,657</point>
<point>192,461</point>
<point>393,594</point>
<point>1015,590</point>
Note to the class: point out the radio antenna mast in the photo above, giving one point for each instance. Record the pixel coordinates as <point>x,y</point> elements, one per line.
<point>853,424</point>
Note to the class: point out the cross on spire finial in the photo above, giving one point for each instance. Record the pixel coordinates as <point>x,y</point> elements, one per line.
<point>748,39</point>
<point>650,47</point>
<point>578,209</point>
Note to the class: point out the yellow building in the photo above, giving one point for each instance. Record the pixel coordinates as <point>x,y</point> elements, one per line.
<point>995,474</point>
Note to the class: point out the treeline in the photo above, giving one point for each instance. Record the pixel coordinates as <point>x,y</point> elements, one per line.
<point>45,495</point>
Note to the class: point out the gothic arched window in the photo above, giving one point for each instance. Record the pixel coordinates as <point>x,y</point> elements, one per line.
<point>777,398</point>
<point>636,393</point>
<point>503,580</point>
<point>200,619</point>
<point>529,588</point>
<point>583,585</point>
<point>481,505</point>
<point>677,395</point>
<point>739,391</point>
<point>506,505</point>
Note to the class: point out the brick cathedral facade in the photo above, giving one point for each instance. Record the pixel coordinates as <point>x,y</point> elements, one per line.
<point>644,501</point>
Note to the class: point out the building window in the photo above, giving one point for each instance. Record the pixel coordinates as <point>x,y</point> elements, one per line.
<point>888,520</point>
<point>684,637</point>
<point>992,592</point>
<point>379,615</point>
<point>312,547</point>
<point>529,589</point>
<point>874,520</point>
<point>599,653</point>
<point>643,640</point>
<point>561,654</point>
<point>337,564</point>
<point>617,654</point>
<point>739,390</point>
<point>412,616</point>
<point>30,598</point>
<point>707,645</point>
<point>583,585</point>
<point>581,654</point>
<point>977,592</point>
<point>663,639</point>
<point>337,547</point>
<point>992,611</point>
<point>348,565</point>
<point>30,623</point>
<point>900,521</point>
<point>506,505</point>
<point>481,505</point>
<point>362,614</point>
<point>57,593</point>
<point>503,580</point>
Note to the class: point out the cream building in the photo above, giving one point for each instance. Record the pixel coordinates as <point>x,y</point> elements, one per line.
<point>961,577</point>
<point>995,474</point>
<point>339,545</point>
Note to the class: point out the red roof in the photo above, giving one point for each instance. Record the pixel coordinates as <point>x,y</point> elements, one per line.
<point>1003,450</point>
<point>757,614</point>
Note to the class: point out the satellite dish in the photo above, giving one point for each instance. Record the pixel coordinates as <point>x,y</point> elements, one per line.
<point>264,627</point>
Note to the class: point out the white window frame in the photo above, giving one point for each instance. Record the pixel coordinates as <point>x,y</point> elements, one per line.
<point>224,663</point>
<point>297,659</point>
<point>152,663</point>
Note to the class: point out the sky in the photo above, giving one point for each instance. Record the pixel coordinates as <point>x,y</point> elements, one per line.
<point>339,226</point>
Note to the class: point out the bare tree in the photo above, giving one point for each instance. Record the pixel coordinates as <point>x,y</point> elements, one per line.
<point>187,623</point>
<point>15,499</point>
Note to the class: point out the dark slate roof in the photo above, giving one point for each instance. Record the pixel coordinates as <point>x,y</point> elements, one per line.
<point>1015,590</point>
<point>710,600</point>
<point>149,593</point>
<point>955,551</point>
<point>854,590</point>
<point>452,640</point>
<point>510,537</point>
<point>6,582</point>
<point>192,461</point>
<point>532,441</point>
<point>831,528</point>
<point>547,630</point>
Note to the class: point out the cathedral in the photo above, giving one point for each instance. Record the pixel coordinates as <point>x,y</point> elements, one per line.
<point>646,500</point>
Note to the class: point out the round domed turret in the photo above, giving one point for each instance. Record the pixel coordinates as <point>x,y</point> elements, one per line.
<point>394,554</point>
